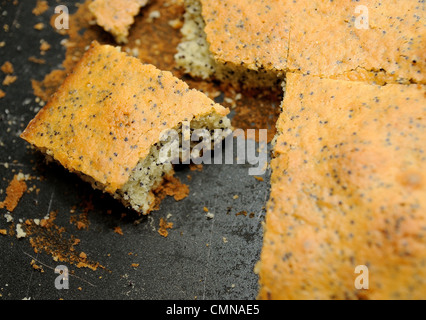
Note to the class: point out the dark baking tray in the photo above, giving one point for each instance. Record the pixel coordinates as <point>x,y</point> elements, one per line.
<point>200,259</point>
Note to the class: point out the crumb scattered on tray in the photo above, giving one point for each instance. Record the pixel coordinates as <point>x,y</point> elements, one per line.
<point>36,60</point>
<point>2,94</point>
<point>209,215</point>
<point>81,221</point>
<point>39,26</point>
<point>14,192</point>
<point>8,80</point>
<point>7,68</point>
<point>44,46</point>
<point>195,167</point>
<point>20,233</point>
<point>46,236</point>
<point>36,266</point>
<point>171,186</point>
<point>164,225</point>
<point>244,213</point>
<point>118,230</point>
<point>41,7</point>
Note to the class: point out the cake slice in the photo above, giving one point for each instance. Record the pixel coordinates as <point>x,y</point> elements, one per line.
<point>105,123</point>
<point>255,42</point>
<point>116,16</point>
<point>348,189</point>
<point>234,41</point>
<point>328,39</point>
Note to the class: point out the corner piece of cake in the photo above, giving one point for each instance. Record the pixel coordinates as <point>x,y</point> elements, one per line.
<point>253,43</point>
<point>244,43</point>
<point>105,123</point>
<point>116,16</point>
<point>348,190</point>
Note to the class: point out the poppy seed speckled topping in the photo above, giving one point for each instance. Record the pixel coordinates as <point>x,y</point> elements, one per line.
<point>322,38</point>
<point>110,111</point>
<point>348,188</point>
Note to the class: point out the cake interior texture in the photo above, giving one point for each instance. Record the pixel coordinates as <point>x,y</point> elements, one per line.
<point>137,193</point>
<point>107,121</point>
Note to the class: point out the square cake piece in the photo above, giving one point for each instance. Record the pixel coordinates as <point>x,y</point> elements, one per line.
<point>105,122</point>
<point>255,41</point>
<point>377,41</point>
<point>116,16</point>
<point>240,42</point>
<point>348,189</point>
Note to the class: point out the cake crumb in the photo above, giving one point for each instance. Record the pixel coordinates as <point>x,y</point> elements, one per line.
<point>258,178</point>
<point>195,167</point>
<point>164,225</point>
<point>44,46</point>
<point>36,266</point>
<point>135,265</point>
<point>3,232</point>
<point>9,80</point>
<point>36,60</point>
<point>235,197</point>
<point>39,26</point>
<point>14,192</point>
<point>210,215</point>
<point>206,209</point>
<point>2,94</point>
<point>244,213</point>
<point>171,186</point>
<point>20,233</point>
<point>41,7</point>
<point>7,68</point>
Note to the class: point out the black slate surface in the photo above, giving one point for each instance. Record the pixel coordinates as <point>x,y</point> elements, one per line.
<point>200,259</point>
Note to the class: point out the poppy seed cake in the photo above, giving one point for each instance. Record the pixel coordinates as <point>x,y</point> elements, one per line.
<point>105,122</point>
<point>255,42</point>
<point>348,189</point>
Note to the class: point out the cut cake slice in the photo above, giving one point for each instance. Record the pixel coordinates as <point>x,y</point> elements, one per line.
<point>105,122</point>
<point>254,42</point>
<point>230,41</point>
<point>348,189</point>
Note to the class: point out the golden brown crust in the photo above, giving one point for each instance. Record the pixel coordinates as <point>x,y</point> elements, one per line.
<point>116,16</point>
<point>333,43</point>
<point>7,68</point>
<point>348,189</point>
<point>109,112</point>
<point>253,33</point>
<point>320,38</point>
<point>14,192</point>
